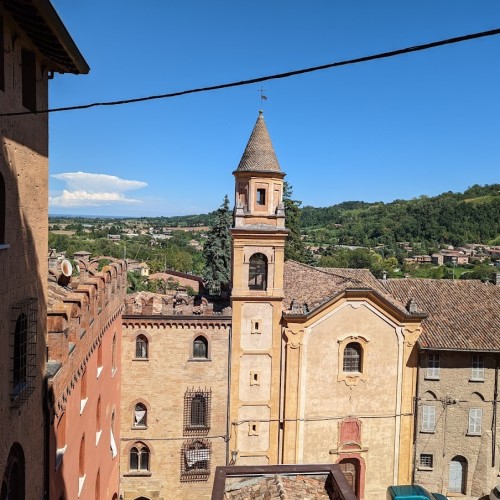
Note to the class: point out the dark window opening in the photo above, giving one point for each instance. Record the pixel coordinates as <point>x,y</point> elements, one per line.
<point>200,348</point>
<point>139,458</point>
<point>140,415</point>
<point>28,62</point>
<point>261,196</point>
<point>141,347</point>
<point>352,357</point>
<point>195,460</point>
<point>197,411</point>
<point>257,273</point>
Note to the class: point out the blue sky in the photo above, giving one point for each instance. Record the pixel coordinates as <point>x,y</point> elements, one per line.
<point>415,124</point>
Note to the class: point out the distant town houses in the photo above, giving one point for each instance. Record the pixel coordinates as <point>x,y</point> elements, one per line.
<point>459,256</point>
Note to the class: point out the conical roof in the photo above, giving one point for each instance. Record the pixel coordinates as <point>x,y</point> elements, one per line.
<point>259,155</point>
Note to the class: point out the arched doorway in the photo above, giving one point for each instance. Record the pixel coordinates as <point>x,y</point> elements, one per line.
<point>13,482</point>
<point>351,469</point>
<point>458,475</point>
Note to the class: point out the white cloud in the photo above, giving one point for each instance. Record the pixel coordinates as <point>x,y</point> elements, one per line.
<point>93,190</point>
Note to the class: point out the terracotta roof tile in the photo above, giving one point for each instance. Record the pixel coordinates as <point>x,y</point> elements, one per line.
<point>463,314</point>
<point>315,285</point>
<point>259,155</point>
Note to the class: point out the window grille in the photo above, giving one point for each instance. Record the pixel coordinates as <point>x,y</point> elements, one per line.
<point>475,421</point>
<point>433,366</point>
<point>428,418</point>
<point>141,347</point>
<point>257,272</point>
<point>477,367</point>
<point>23,350</point>
<point>426,461</point>
<point>200,348</point>
<point>352,357</point>
<point>195,460</point>
<point>197,409</point>
<point>139,458</point>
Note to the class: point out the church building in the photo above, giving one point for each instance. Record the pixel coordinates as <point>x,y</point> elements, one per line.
<point>323,361</point>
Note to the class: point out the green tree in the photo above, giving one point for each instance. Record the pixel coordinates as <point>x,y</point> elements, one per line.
<point>295,248</point>
<point>217,251</point>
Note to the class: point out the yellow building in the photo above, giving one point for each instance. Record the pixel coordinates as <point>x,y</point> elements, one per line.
<point>323,361</point>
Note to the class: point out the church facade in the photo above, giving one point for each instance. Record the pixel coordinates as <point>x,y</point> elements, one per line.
<point>324,361</point>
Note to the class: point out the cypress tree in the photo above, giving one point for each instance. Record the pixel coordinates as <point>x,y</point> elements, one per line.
<point>217,251</point>
<point>295,248</point>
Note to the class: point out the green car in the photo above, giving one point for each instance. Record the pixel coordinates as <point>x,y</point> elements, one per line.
<point>412,492</point>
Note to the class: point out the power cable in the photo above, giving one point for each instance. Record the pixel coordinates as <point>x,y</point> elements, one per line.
<point>381,55</point>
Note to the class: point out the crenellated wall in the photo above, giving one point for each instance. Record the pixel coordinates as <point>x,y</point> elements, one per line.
<point>84,378</point>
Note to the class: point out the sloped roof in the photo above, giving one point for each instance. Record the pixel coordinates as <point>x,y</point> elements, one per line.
<point>462,314</point>
<point>313,286</point>
<point>41,23</point>
<point>259,155</point>
<point>292,488</point>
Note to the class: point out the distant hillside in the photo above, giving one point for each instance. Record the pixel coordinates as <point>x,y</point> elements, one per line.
<point>452,218</point>
<point>449,218</point>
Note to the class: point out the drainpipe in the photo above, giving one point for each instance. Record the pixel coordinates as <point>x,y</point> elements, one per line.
<point>415,420</point>
<point>228,412</point>
<point>46,438</point>
<point>494,422</point>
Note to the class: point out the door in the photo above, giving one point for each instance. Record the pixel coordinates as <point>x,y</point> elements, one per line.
<point>457,479</point>
<point>350,468</point>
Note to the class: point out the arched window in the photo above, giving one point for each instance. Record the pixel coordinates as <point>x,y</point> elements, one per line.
<point>3,214</point>
<point>257,273</point>
<point>112,442</point>
<point>98,424</point>
<point>353,354</point>
<point>81,458</point>
<point>200,348</point>
<point>140,415</point>
<point>14,476</point>
<point>139,458</point>
<point>199,411</point>
<point>20,354</point>
<point>113,353</point>
<point>98,486</point>
<point>141,347</point>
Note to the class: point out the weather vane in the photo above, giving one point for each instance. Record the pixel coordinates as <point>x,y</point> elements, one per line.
<point>262,96</point>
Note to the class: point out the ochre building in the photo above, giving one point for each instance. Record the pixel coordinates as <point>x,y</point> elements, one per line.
<point>323,361</point>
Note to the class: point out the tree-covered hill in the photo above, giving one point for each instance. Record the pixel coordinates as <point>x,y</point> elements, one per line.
<point>451,218</point>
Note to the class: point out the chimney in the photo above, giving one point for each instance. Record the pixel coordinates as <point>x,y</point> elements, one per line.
<point>496,278</point>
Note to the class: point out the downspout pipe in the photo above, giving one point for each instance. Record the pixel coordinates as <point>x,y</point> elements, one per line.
<point>46,438</point>
<point>228,412</point>
<point>494,422</point>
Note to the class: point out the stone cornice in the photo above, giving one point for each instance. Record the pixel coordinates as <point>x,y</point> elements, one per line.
<point>176,321</point>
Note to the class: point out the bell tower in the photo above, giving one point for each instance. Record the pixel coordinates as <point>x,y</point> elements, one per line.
<point>258,254</point>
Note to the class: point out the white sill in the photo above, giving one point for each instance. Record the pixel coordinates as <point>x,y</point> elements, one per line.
<point>199,359</point>
<point>113,371</point>
<point>476,434</point>
<point>4,247</point>
<point>432,378</point>
<point>98,435</point>
<point>59,455</point>
<point>81,482</point>
<point>99,371</point>
<point>139,427</point>
<point>425,468</point>
<point>428,432</point>
<point>83,402</point>
<point>140,359</point>
<point>476,380</point>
